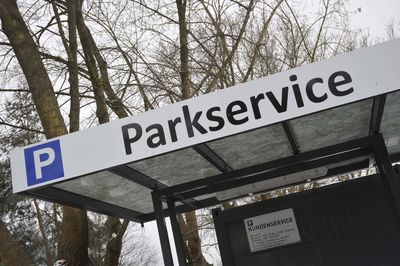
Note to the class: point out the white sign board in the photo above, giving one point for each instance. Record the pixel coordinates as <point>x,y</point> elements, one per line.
<point>272,230</point>
<point>297,92</point>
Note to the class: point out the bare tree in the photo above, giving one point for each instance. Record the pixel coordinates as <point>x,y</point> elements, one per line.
<point>110,59</point>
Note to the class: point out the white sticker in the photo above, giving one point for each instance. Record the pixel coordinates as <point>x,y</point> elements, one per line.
<point>272,230</point>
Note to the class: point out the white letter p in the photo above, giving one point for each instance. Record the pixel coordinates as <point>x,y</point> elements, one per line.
<point>40,164</point>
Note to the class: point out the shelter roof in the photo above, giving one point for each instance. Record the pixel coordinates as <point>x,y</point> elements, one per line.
<point>249,130</point>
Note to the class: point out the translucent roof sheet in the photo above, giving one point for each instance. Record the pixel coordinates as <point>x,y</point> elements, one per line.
<point>390,126</point>
<point>333,126</point>
<point>176,167</point>
<point>254,147</point>
<point>111,188</point>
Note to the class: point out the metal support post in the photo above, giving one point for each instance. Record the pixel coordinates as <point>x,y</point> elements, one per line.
<point>389,179</point>
<point>176,230</point>
<point>162,229</point>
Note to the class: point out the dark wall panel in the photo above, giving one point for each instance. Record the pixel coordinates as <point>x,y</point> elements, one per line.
<point>350,223</point>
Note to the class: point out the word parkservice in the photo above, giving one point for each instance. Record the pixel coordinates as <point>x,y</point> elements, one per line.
<point>316,90</point>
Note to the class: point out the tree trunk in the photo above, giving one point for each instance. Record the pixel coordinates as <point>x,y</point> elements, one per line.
<point>191,238</point>
<point>184,49</point>
<point>92,52</point>
<point>74,240</point>
<point>73,243</point>
<point>11,253</point>
<point>98,90</point>
<point>73,79</point>
<point>116,231</point>
<point>31,64</point>
<point>49,256</point>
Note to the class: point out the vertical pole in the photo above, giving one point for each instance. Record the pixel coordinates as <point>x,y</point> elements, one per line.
<point>162,229</point>
<point>389,179</point>
<point>176,230</point>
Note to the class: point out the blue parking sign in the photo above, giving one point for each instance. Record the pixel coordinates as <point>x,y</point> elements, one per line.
<point>43,162</point>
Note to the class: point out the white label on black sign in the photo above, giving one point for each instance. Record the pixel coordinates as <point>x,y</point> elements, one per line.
<point>272,230</point>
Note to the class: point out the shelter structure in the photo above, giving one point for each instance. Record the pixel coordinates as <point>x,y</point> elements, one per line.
<point>323,119</point>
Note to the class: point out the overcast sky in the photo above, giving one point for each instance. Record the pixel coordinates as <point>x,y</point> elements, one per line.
<point>374,15</point>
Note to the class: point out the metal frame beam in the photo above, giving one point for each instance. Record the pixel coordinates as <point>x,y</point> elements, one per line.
<point>162,230</point>
<point>83,202</point>
<point>137,177</point>
<point>284,170</point>
<point>183,208</point>
<point>212,157</point>
<point>176,231</point>
<point>334,171</point>
<point>287,127</point>
<point>378,107</point>
<point>268,166</point>
<point>388,176</point>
